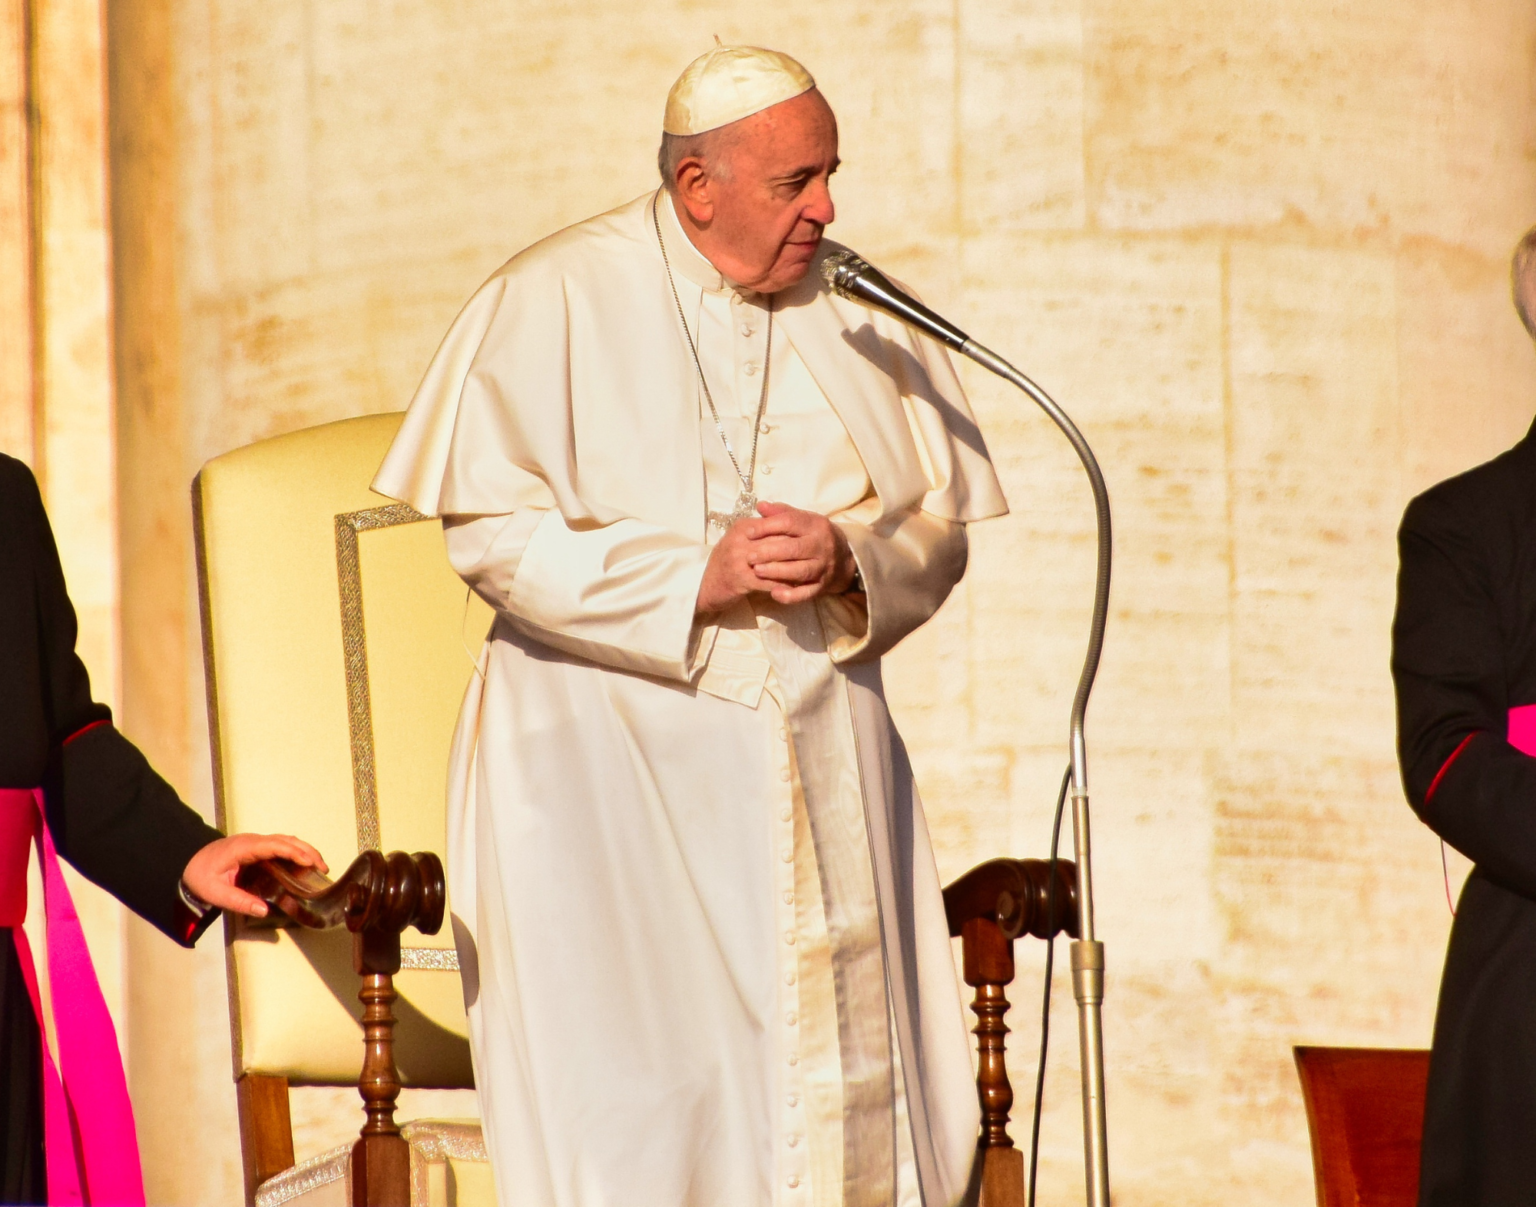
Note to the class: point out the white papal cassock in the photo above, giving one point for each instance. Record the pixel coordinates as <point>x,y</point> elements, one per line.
<point>704,948</point>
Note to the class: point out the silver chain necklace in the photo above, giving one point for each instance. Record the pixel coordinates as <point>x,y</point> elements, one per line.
<point>746,501</point>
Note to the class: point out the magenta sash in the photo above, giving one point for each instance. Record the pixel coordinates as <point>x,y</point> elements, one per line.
<point>1522,729</point>
<point>91,1148</point>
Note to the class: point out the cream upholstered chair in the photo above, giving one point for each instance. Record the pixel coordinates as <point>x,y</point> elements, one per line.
<point>335,658</point>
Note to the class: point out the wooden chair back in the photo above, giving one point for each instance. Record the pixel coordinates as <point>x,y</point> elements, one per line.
<point>1365,1110</point>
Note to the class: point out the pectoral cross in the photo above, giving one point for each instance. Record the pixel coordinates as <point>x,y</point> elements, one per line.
<point>746,507</point>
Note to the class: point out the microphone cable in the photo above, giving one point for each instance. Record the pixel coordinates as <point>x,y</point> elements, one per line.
<point>1045,1004</point>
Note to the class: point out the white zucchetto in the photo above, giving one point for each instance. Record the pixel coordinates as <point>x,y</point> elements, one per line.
<point>729,83</point>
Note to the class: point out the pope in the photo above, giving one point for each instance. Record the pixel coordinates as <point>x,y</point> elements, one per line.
<point>703,939</point>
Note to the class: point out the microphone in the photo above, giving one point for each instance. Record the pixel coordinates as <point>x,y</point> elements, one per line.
<point>854,278</point>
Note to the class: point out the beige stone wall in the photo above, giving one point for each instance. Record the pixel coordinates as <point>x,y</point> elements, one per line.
<point>1258,250</point>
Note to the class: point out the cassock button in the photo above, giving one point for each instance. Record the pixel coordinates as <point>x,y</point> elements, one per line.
<point>792,1181</point>
<point>765,428</point>
<point>786,815</point>
<point>784,774</point>
<point>789,937</point>
<point>787,856</point>
<point>793,1100</point>
<point>765,469</point>
<point>789,898</point>
<point>747,328</point>
<point>789,978</point>
<point>792,1140</point>
<point>793,1059</point>
<point>750,368</point>
<point>783,733</point>
<point>791,1019</point>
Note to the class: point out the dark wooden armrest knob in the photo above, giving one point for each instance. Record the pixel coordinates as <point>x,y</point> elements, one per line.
<point>1013,894</point>
<point>378,893</point>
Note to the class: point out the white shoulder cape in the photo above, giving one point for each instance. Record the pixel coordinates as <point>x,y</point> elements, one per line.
<point>569,366</point>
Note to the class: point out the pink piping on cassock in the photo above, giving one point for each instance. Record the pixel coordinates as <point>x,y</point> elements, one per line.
<point>1446,766</point>
<point>84,729</point>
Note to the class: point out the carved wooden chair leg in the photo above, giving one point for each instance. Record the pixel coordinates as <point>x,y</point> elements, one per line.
<point>381,1159</point>
<point>988,958</point>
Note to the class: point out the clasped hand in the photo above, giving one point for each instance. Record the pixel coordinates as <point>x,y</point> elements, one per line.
<point>784,552</point>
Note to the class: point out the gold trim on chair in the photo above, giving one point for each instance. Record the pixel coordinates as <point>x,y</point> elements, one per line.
<point>430,959</point>
<point>354,643</point>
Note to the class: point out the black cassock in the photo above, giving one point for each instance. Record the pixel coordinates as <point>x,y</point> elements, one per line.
<point>111,816</point>
<point>1463,656</point>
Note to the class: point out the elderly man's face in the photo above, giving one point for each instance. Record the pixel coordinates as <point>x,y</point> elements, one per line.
<point>759,215</point>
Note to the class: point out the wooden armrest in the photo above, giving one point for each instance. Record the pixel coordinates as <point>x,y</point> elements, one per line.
<point>379,892</point>
<point>376,899</point>
<point>1013,894</point>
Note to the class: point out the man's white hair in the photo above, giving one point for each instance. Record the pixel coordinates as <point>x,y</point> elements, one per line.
<point>1523,280</point>
<point>710,146</point>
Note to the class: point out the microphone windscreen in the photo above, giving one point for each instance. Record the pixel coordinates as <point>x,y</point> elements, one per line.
<point>839,267</point>
<point>851,276</point>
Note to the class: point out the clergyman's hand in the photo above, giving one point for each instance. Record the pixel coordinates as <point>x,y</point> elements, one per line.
<point>210,874</point>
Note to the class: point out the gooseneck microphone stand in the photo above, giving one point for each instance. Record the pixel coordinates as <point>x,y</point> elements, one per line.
<point>853,278</point>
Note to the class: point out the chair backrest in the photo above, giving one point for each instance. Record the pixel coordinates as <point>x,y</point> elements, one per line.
<point>1365,1110</point>
<point>335,659</point>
